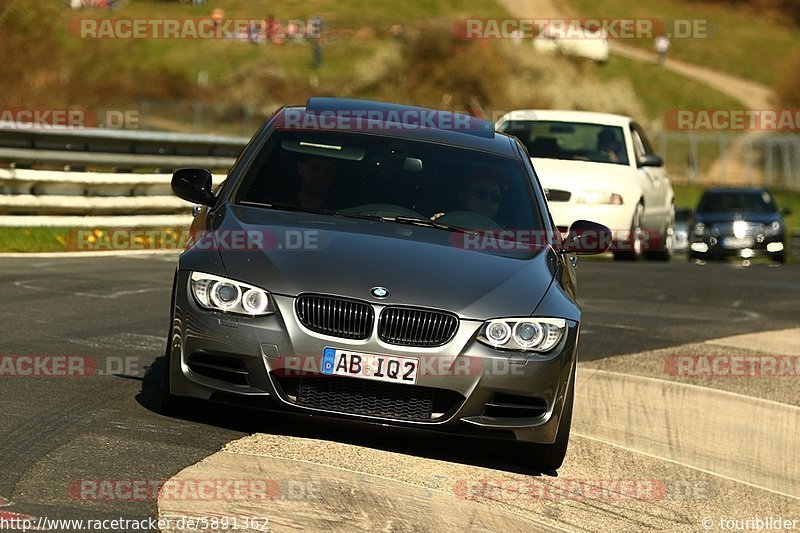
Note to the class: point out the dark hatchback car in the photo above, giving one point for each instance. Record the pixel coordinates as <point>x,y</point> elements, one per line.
<point>383,264</point>
<point>737,222</point>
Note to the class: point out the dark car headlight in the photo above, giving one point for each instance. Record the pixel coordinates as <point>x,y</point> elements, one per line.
<point>773,229</point>
<point>221,294</point>
<point>527,334</point>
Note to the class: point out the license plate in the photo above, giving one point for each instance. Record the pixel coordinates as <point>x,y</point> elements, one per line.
<point>736,243</point>
<point>388,368</point>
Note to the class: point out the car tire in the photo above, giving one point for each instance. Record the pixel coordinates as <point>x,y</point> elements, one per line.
<point>550,457</point>
<point>666,242</point>
<point>780,257</point>
<point>635,253</point>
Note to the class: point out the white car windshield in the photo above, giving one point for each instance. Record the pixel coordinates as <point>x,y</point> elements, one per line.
<point>580,141</point>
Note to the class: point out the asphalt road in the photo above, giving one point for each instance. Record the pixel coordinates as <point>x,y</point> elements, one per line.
<point>113,312</point>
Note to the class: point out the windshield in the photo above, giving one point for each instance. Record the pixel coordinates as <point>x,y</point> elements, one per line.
<point>570,140</point>
<point>366,176</point>
<point>749,201</point>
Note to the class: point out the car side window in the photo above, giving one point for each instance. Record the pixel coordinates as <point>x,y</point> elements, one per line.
<point>638,133</point>
<point>638,146</point>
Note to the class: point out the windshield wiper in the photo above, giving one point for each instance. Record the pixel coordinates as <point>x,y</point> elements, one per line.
<point>282,207</point>
<point>362,216</point>
<point>430,224</point>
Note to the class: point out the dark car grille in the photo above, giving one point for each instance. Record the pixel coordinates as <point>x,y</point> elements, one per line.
<point>337,317</point>
<point>416,327</point>
<point>370,398</point>
<point>749,229</point>
<point>555,195</point>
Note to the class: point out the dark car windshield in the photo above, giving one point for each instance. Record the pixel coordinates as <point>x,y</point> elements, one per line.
<point>733,201</point>
<point>410,182</point>
<point>570,140</point>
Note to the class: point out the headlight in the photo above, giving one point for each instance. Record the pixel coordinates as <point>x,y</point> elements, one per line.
<point>523,334</point>
<point>220,294</point>
<point>598,197</point>
<point>772,229</point>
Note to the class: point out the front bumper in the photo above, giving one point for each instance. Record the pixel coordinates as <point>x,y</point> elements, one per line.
<point>723,246</point>
<point>268,359</point>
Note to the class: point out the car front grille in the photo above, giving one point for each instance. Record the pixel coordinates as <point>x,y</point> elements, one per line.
<point>369,398</point>
<point>416,327</point>
<point>746,229</point>
<point>349,319</point>
<point>363,397</point>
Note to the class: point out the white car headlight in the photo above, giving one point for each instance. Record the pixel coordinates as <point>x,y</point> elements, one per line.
<point>532,334</point>
<point>221,294</point>
<point>598,197</point>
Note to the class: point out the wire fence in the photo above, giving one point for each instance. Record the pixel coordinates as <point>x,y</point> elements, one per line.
<point>724,158</point>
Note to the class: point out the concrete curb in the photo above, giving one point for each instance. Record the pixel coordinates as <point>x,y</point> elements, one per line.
<point>746,439</point>
<point>313,497</point>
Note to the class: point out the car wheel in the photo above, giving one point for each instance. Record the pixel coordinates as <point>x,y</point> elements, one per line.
<point>666,243</point>
<point>633,244</point>
<point>550,457</point>
<point>780,257</point>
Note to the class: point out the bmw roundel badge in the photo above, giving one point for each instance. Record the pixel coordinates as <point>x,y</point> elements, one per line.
<point>380,292</point>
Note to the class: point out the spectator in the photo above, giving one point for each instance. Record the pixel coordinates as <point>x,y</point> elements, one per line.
<point>662,46</point>
<point>218,16</point>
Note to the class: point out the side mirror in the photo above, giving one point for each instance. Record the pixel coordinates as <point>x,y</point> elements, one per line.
<point>587,238</point>
<point>193,185</point>
<point>650,160</point>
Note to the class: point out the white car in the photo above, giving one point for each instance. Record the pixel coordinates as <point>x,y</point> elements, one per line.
<point>600,167</point>
<point>573,40</point>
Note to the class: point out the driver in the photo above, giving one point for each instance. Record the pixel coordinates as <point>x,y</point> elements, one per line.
<point>317,176</point>
<point>608,143</point>
<point>482,192</point>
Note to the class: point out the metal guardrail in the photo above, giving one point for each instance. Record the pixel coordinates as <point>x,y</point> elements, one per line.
<point>45,197</point>
<point>102,148</point>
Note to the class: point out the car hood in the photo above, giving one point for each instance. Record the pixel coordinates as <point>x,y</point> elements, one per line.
<point>570,175</point>
<point>419,266</point>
